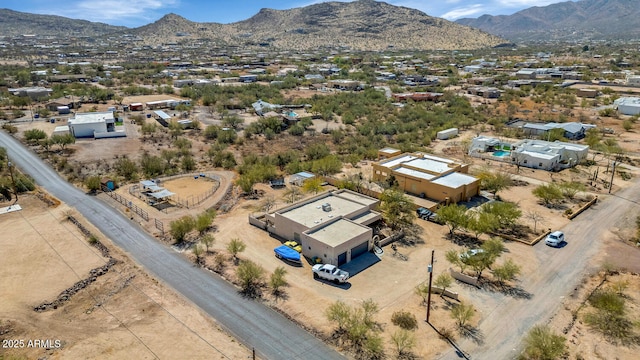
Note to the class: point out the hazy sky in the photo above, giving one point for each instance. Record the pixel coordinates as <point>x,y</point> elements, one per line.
<point>133,13</point>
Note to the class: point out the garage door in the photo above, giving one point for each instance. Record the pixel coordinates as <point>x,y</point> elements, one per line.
<point>359,250</point>
<point>342,258</point>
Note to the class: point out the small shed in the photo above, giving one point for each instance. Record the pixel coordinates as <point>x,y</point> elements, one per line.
<point>301,177</point>
<point>136,107</point>
<point>107,183</point>
<point>447,134</point>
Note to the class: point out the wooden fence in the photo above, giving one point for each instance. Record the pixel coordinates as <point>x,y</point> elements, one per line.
<point>124,201</point>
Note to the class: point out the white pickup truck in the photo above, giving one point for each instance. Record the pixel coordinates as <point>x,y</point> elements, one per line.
<point>330,272</point>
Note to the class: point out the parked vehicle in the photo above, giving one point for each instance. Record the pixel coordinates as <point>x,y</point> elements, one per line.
<point>470,253</point>
<point>426,214</point>
<point>330,272</point>
<point>288,254</point>
<point>294,245</point>
<point>423,213</point>
<point>555,239</point>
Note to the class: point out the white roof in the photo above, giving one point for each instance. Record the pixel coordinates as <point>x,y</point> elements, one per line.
<point>162,194</point>
<point>455,180</point>
<point>91,118</point>
<point>393,162</point>
<point>163,115</point>
<point>428,165</point>
<point>540,155</point>
<point>414,173</point>
<point>338,232</point>
<point>162,102</point>
<point>389,150</point>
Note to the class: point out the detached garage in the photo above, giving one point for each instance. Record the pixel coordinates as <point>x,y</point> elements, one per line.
<point>337,242</point>
<point>332,226</point>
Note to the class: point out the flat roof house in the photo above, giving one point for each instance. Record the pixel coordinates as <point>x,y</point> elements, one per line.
<point>331,226</point>
<point>87,124</point>
<point>540,154</point>
<point>428,176</point>
<point>572,130</point>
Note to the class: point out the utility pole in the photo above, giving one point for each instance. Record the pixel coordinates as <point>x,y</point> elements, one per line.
<point>430,269</point>
<point>613,172</point>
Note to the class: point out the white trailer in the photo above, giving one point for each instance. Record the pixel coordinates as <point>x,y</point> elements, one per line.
<point>447,134</point>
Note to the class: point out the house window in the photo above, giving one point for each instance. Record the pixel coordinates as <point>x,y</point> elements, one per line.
<point>540,164</point>
<point>525,161</point>
<point>377,172</point>
<point>384,174</point>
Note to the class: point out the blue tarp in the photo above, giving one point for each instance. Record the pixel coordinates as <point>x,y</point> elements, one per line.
<point>287,253</point>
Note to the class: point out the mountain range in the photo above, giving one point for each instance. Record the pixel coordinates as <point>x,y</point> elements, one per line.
<point>580,20</point>
<point>357,25</point>
<point>14,23</point>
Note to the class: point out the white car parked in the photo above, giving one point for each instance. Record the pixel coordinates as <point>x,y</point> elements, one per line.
<point>554,239</point>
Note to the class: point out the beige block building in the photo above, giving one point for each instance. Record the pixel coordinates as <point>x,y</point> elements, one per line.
<point>428,176</point>
<point>331,226</point>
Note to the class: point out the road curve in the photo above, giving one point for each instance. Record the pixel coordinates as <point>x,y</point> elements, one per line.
<point>257,326</point>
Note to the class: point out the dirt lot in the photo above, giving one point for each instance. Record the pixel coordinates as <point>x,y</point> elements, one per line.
<point>123,314</point>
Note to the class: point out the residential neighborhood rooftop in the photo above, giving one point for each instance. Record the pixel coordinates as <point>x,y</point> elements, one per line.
<point>92,117</point>
<point>338,232</point>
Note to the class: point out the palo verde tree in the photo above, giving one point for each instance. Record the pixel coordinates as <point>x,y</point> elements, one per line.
<point>549,194</point>
<point>397,209</point>
<point>454,215</point>
<point>203,221</point>
<point>356,327</point>
<point>541,343</point>
<point>251,278</point>
<point>277,281</point>
<point>443,281</point>
<point>495,181</point>
<point>506,272</point>
<point>491,250</point>
<point>92,183</point>
<point>462,314</point>
<point>235,247</point>
<point>505,213</point>
<point>181,227</point>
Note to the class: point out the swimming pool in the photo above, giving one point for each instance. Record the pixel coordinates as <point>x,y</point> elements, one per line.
<point>501,153</point>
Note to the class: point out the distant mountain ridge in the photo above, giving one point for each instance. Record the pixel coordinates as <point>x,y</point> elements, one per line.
<point>15,23</point>
<point>585,19</point>
<point>357,25</point>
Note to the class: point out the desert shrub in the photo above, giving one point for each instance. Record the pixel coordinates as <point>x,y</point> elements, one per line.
<point>542,344</point>
<point>608,301</point>
<point>609,317</point>
<point>404,319</point>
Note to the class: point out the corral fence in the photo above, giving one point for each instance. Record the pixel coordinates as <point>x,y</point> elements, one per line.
<point>124,201</point>
<point>190,201</point>
<point>159,225</point>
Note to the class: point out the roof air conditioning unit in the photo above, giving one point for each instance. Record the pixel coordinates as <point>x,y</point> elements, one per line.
<point>326,207</point>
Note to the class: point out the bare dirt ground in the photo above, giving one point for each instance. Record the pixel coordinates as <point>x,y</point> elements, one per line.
<point>584,342</point>
<point>123,314</point>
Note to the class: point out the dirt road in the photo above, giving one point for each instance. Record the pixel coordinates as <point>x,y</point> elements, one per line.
<point>562,269</point>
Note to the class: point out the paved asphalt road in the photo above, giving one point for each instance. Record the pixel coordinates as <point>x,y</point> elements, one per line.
<point>272,335</point>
